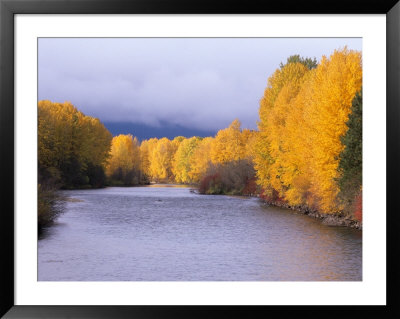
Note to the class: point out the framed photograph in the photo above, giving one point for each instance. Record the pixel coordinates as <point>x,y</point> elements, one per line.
<point>159,154</point>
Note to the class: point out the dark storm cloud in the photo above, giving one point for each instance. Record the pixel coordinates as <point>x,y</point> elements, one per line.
<point>195,83</point>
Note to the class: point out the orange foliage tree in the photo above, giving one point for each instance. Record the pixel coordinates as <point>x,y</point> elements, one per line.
<point>72,147</point>
<point>124,163</point>
<point>303,115</point>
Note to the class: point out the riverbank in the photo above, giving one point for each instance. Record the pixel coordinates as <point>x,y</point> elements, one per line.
<point>334,219</point>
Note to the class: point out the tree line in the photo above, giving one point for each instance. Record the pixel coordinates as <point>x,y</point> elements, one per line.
<point>183,160</point>
<point>72,152</point>
<point>307,151</point>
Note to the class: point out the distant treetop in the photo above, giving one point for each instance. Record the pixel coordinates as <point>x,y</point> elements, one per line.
<point>308,62</point>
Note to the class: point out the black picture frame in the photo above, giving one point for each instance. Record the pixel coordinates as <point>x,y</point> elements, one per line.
<point>8,8</point>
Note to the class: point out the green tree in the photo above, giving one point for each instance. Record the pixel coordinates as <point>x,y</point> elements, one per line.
<point>350,165</point>
<point>308,62</point>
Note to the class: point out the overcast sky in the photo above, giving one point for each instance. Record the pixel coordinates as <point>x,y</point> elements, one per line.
<point>201,83</point>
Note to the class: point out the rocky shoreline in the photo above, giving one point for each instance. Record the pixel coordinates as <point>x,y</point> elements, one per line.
<point>335,219</point>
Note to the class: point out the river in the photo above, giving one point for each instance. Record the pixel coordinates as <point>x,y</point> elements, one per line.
<point>161,233</point>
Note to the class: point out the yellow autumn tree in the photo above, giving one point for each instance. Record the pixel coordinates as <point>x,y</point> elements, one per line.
<point>124,163</point>
<point>146,154</point>
<point>200,159</point>
<point>283,86</point>
<point>281,170</point>
<point>249,139</point>
<point>228,144</point>
<point>57,133</point>
<point>298,145</point>
<point>72,147</point>
<point>303,114</point>
<point>182,160</point>
<point>176,142</point>
<point>161,160</point>
<point>336,81</point>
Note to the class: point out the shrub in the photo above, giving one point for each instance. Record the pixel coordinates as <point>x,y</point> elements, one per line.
<point>50,205</point>
<point>235,178</point>
<point>210,184</point>
<point>358,207</point>
<point>272,197</point>
<point>250,187</point>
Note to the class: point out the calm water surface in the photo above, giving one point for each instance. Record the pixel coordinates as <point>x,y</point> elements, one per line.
<point>169,234</point>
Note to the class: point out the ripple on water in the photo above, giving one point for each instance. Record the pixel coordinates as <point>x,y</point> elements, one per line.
<point>169,233</point>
